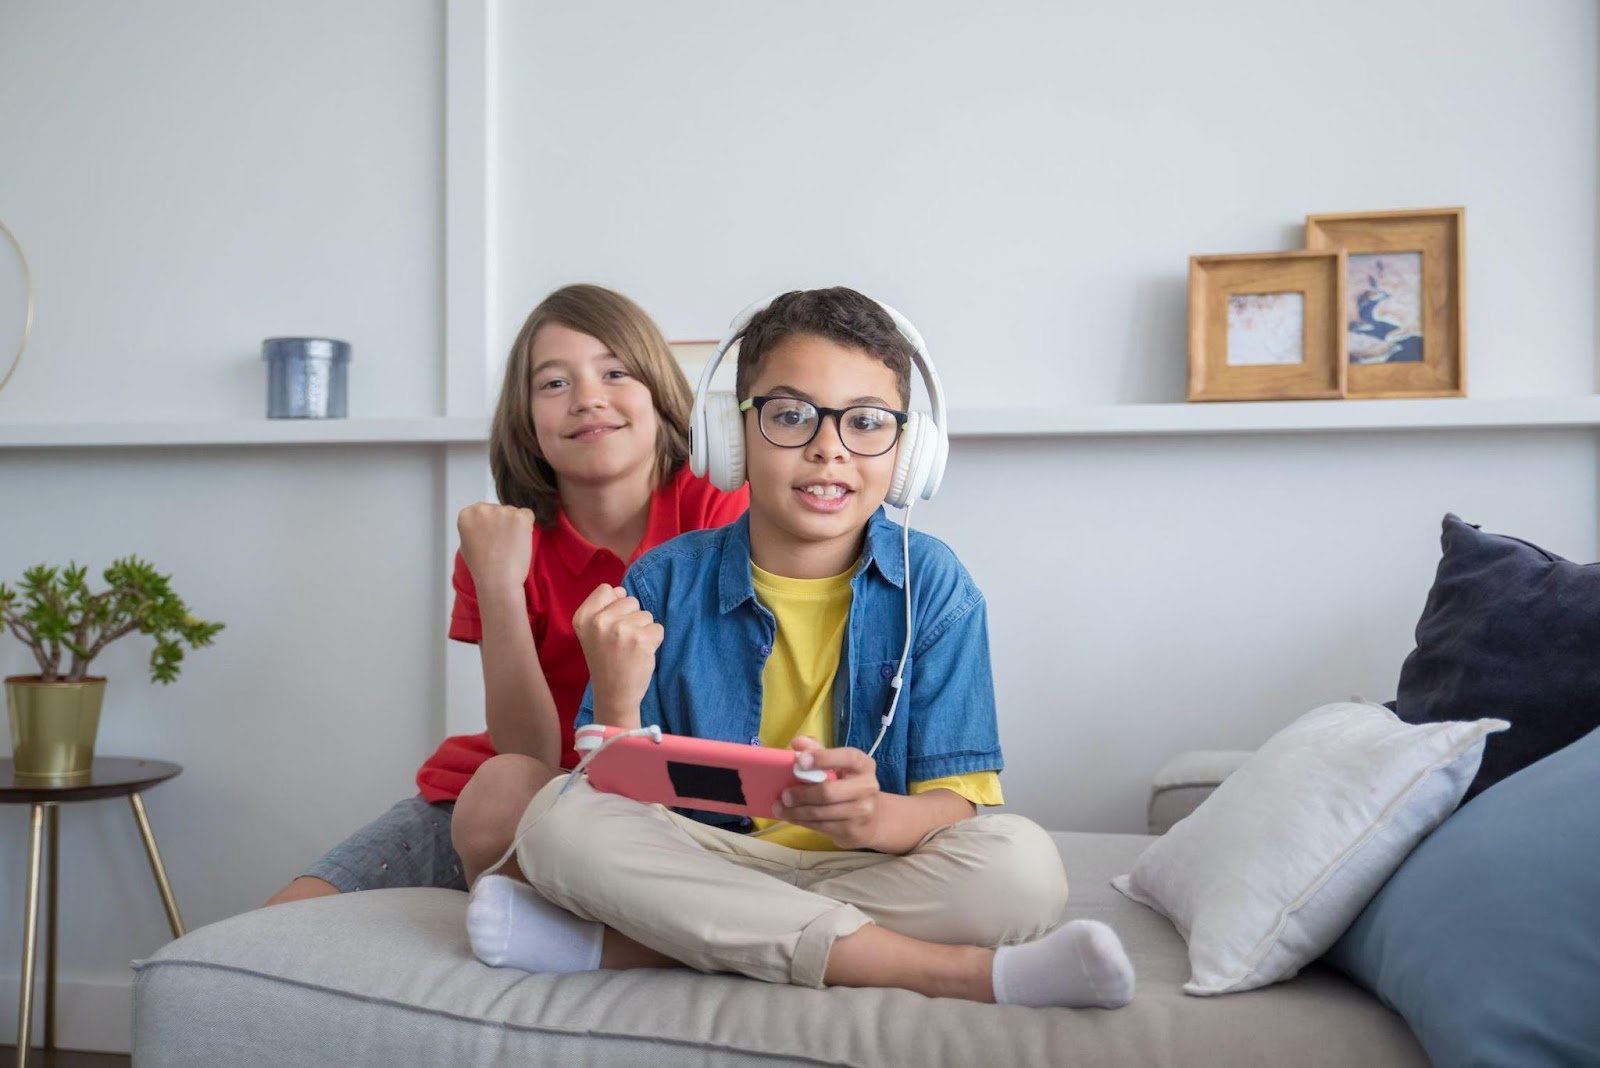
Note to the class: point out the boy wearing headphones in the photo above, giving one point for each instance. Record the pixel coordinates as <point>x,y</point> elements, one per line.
<point>812,622</point>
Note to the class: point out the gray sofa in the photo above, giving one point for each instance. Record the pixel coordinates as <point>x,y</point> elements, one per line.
<point>385,978</point>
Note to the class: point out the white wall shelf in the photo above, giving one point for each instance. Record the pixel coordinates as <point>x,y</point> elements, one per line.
<point>1125,420</point>
<point>1277,417</point>
<point>437,430</point>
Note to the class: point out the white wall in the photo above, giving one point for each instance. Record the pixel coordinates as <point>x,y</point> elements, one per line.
<point>1154,596</point>
<point>1026,182</point>
<point>189,178</point>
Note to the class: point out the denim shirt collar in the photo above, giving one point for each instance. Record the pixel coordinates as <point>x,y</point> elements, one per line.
<point>734,586</point>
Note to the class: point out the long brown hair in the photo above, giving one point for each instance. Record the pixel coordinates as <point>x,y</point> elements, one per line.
<point>522,476</point>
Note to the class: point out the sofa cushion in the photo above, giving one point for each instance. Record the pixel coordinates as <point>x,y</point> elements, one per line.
<point>1183,783</point>
<point>1487,940</point>
<point>1274,866</point>
<point>1509,630</point>
<point>385,978</point>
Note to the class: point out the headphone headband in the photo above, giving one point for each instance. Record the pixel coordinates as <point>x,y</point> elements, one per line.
<point>716,441</point>
<point>741,323</point>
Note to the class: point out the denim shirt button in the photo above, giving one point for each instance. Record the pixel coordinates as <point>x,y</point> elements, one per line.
<point>886,671</point>
<point>766,650</point>
<point>755,739</point>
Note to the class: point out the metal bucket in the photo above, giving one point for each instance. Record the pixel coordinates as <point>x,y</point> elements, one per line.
<point>305,377</point>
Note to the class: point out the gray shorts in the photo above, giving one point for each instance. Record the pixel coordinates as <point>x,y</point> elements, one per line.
<point>407,846</point>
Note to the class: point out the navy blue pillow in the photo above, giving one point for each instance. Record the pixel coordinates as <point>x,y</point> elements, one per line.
<point>1487,938</point>
<point>1512,631</point>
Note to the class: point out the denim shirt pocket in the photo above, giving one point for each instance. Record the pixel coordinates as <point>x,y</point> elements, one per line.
<point>870,701</point>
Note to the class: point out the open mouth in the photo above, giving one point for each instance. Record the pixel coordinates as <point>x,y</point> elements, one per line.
<point>823,496</point>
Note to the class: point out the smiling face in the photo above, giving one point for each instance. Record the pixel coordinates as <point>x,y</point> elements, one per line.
<point>594,420</point>
<point>809,506</point>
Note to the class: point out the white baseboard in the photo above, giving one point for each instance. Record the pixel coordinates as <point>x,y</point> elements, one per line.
<point>91,1013</point>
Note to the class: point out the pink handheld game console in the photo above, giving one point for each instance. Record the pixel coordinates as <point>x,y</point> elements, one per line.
<point>684,772</point>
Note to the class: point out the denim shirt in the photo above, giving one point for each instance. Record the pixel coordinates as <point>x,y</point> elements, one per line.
<point>707,681</point>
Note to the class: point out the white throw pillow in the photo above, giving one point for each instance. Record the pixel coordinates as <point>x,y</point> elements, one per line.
<point>1269,871</point>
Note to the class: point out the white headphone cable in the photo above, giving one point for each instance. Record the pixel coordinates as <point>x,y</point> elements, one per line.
<point>894,683</point>
<point>899,671</point>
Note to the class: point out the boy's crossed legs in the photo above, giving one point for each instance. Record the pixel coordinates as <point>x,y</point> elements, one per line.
<point>720,901</point>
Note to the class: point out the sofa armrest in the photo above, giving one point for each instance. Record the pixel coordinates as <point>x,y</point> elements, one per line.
<point>1185,781</point>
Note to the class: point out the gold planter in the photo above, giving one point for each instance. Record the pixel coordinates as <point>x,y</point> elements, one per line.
<point>53,726</point>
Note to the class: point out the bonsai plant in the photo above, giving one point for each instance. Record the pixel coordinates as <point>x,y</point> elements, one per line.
<point>55,714</point>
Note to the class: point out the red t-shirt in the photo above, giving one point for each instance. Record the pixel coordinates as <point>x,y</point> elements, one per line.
<point>565,570</point>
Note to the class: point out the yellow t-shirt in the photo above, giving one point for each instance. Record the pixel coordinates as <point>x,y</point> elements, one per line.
<point>797,685</point>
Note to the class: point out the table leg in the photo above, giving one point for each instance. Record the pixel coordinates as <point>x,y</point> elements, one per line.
<point>156,866</point>
<point>53,878</point>
<point>30,937</point>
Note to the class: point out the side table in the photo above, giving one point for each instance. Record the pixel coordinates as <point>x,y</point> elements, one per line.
<point>109,777</point>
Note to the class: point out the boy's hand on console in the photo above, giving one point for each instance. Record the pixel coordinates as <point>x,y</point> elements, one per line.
<point>497,545</point>
<point>619,641</point>
<point>845,809</point>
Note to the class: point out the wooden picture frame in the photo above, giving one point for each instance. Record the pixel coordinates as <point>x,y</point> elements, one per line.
<point>1267,326</point>
<point>693,354</point>
<point>1406,299</point>
<point>692,357</point>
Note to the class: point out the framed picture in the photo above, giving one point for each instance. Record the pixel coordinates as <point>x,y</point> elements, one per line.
<point>1404,305</point>
<point>692,357</point>
<point>1266,326</point>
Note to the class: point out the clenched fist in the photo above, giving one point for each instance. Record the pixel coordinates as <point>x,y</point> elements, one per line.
<point>497,544</point>
<point>619,641</point>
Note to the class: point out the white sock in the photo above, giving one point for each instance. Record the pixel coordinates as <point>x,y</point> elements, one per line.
<point>511,926</point>
<point>1077,966</point>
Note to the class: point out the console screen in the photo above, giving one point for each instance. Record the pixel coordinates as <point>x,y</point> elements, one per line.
<point>706,783</point>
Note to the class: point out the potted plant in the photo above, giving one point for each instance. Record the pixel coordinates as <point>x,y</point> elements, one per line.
<point>55,714</point>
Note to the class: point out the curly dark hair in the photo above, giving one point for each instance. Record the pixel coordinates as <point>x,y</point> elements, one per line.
<point>840,315</point>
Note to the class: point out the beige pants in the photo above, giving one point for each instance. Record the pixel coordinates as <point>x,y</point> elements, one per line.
<point>725,902</point>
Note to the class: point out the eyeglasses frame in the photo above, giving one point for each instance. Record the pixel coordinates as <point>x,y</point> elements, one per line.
<point>757,403</point>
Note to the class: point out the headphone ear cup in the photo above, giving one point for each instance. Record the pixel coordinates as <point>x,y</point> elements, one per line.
<point>697,440</point>
<point>910,469</point>
<point>724,441</point>
<point>941,455</point>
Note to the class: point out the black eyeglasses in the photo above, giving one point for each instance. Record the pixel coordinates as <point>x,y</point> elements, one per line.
<point>791,423</point>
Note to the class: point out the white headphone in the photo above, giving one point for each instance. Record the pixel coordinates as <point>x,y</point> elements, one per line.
<point>716,426</point>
